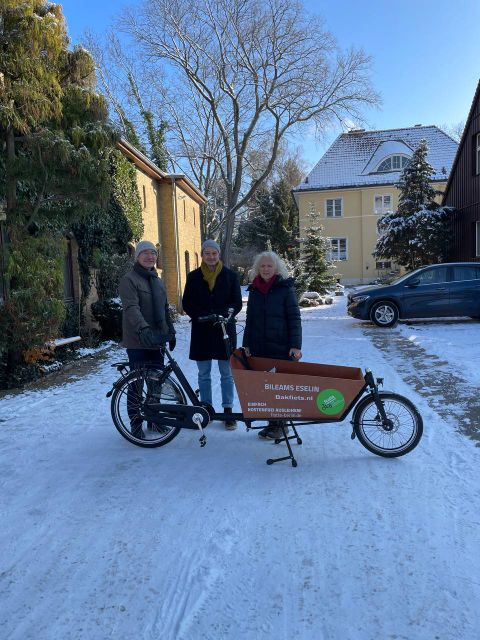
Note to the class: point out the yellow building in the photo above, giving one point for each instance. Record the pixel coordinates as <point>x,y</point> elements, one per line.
<point>353,184</point>
<point>171,217</point>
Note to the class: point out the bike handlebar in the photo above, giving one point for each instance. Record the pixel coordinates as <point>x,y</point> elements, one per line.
<point>216,317</point>
<point>213,317</point>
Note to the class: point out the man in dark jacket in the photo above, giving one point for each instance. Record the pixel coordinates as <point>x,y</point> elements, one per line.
<point>212,288</point>
<point>145,309</point>
<point>145,318</point>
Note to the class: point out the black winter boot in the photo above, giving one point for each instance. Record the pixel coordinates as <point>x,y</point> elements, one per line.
<point>230,423</point>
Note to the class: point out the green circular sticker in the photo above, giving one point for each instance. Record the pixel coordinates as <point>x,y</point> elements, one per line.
<point>330,401</point>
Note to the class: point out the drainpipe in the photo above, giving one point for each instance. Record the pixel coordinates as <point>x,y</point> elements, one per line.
<point>177,248</point>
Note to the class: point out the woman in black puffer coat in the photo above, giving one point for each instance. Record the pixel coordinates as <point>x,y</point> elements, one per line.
<point>273,327</point>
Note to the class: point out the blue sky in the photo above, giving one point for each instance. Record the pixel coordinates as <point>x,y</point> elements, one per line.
<point>426,54</point>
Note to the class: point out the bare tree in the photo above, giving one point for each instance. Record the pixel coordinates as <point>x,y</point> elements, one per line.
<point>134,94</point>
<point>260,70</point>
<point>455,131</point>
<point>195,143</point>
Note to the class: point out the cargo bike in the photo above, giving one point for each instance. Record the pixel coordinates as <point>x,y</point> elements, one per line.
<point>151,404</point>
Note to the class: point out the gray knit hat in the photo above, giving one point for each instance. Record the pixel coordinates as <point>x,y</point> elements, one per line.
<point>145,245</point>
<point>210,244</point>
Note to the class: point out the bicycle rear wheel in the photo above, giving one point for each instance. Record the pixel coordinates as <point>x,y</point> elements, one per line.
<point>396,439</point>
<point>129,398</point>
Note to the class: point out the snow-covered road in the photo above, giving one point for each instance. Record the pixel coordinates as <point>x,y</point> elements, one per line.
<point>101,539</point>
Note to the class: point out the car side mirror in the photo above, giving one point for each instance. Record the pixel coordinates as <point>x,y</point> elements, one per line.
<point>413,283</point>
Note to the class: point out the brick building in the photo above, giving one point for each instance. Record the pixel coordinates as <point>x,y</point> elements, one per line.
<point>171,217</point>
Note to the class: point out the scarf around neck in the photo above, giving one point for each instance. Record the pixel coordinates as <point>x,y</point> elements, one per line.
<point>261,285</point>
<point>145,273</point>
<point>158,297</point>
<point>211,276</point>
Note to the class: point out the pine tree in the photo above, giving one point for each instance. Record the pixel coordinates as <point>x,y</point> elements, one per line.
<point>281,218</point>
<point>252,232</point>
<point>417,233</point>
<point>272,217</point>
<point>317,272</point>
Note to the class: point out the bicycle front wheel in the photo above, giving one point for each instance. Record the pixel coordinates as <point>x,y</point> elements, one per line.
<point>399,437</point>
<point>129,398</point>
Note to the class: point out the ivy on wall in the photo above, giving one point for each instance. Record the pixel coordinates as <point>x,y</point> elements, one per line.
<point>107,231</point>
<point>125,193</point>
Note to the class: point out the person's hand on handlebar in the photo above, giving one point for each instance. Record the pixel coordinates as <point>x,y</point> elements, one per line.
<point>295,354</point>
<point>247,352</point>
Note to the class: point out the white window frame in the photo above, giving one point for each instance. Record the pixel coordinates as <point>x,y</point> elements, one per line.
<point>477,248</point>
<point>337,258</point>
<point>335,215</point>
<point>392,168</point>
<point>477,155</point>
<point>383,208</point>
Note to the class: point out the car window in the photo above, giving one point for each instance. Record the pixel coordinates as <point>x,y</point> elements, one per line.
<point>433,276</point>
<point>469,272</point>
<point>404,277</point>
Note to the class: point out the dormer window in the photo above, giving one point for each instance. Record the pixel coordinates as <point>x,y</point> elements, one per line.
<point>393,163</point>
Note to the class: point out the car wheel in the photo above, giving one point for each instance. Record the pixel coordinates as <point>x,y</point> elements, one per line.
<point>384,314</point>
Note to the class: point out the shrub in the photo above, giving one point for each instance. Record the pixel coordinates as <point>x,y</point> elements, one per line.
<point>34,310</point>
<point>109,316</point>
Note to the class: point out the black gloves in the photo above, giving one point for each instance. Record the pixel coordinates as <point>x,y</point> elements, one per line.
<point>150,338</point>
<point>146,337</point>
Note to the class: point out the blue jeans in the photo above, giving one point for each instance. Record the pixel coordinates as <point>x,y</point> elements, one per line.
<point>205,381</point>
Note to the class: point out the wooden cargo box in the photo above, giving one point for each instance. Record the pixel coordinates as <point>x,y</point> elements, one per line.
<point>275,389</point>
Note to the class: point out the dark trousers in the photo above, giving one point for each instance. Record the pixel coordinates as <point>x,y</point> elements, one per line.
<point>136,359</point>
<point>139,357</point>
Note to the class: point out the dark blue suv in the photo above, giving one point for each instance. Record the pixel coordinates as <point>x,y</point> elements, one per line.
<point>439,290</point>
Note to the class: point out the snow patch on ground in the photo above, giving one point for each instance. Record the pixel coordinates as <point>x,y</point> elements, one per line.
<point>102,539</point>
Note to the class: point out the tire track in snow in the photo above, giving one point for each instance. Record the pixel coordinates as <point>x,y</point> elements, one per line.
<point>196,578</point>
<point>451,396</point>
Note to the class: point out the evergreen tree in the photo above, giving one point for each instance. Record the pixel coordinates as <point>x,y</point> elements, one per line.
<point>272,217</point>
<point>315,271</point>
<point>253,232</point>
<point>282,218</point>
<point>54,164</point>
<point>417,233</point>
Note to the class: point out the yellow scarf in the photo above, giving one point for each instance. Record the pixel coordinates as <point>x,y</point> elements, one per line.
<point>211,276</point>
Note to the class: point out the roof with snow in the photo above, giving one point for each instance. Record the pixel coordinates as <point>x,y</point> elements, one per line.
<point>355,157</point>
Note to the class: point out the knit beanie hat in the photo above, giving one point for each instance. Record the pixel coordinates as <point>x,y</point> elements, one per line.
<point>145,245</point>
<point>210,244</point>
